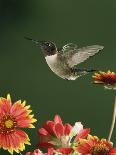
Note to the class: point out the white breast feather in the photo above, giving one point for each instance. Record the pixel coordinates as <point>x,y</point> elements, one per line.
<point>51,60</point>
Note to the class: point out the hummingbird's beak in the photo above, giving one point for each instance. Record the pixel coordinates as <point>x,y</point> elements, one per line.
<point>37,42</point>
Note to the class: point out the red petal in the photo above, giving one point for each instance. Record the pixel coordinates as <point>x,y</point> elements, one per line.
<point>49,126</point>
<point>59,130</point>
<point>43,132</point>
<point>20,137</point>
<point>5,106</point>
<point>50,151</point>
<point>14,141</point>
<point>57,119</point>
<point>67,129</point>
<point>84,148</point>
<point>45,145</point>
<point>23,122</point>
<point>65,151</point>
<point>83,133</point>
<point>112,151</point>
<point>3,140</point>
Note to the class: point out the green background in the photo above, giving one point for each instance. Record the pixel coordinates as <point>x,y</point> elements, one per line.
<point>25,75</point>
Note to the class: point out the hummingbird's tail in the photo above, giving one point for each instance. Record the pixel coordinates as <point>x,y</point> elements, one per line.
<point>83,70</point>
<point>79,72</point>
<point>89,70</point>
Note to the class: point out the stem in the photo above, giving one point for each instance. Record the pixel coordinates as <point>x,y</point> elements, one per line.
<point>20,153</point>
<point>113,121</point>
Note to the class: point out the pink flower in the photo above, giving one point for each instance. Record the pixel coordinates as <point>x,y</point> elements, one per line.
<point>55,135</point>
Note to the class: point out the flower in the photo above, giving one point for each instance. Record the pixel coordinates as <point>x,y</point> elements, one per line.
<point>38,152</point>
<point>13,117</point>
<point>55,135</point>
<point>95,146</point>
<point>107,79</point>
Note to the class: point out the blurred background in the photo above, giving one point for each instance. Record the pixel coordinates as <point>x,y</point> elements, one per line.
<point>26,76</point>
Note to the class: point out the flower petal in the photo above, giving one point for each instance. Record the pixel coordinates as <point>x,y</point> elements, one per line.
<point>84,148</point>
<point>67,129</point>
<point>49,126</point>
<point>50,151</point>
<point>45,145</point>
<point>59,129</point>
<point>5,106</point>
<point>43,132</point>
<point>57,119</point>
<point>65,151</point>
<point>82,134</point>
<point>112,151</point>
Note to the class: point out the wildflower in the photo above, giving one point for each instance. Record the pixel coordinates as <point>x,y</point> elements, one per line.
<point>58,136</point>
<point>95,146</point>
<point>13,117</point>
<point>107,79</point>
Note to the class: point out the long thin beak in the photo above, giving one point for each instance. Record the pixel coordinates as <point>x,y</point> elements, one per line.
<point>37,42</point>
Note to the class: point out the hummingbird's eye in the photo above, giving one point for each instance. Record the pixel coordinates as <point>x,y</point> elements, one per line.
<point>48,44</point>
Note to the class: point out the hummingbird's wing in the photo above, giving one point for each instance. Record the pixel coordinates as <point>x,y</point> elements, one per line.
<point>69,47</point>
<point>67,51</point>
<point>75,56</point>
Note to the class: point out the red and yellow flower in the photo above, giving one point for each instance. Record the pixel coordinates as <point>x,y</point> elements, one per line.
<point>55,135</point>
<point>13,117</point>
<point>95,146</point>
<point>107,79</point>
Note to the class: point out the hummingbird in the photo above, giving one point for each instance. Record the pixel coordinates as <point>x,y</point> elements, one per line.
<point>64,61</point>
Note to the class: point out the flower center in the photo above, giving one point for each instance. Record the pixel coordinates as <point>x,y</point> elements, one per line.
<point>100,149</point>
<point>7,124</point>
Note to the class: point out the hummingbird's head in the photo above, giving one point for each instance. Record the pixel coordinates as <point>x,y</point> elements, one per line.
<point>48,47</point>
